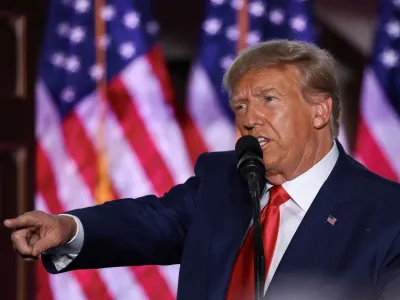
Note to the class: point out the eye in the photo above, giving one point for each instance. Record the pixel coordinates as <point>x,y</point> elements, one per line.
<point>269,98</point>
<point>240,106</point>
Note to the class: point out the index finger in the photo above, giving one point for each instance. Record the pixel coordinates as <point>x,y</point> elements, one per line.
<point>22,221</point>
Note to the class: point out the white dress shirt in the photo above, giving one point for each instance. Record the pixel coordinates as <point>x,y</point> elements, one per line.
<point>302,190</point>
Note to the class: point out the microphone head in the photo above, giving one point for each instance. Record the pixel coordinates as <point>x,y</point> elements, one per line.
<point>249,157</point>
<point>246,144</point>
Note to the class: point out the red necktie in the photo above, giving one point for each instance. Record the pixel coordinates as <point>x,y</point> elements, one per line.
<point>241,286</point>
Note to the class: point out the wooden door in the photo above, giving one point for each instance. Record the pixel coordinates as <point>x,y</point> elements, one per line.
<point>21,27</point>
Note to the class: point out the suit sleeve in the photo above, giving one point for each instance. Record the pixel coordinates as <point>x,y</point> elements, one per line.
<point>131,232</point>
<point>389,279</point>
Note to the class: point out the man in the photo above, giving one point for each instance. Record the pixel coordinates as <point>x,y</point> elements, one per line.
<point>330,228</point>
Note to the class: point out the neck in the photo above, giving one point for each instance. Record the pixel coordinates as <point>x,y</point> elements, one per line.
<point>314,151</point>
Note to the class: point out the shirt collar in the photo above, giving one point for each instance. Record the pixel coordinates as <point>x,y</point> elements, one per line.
<point>305,187</point>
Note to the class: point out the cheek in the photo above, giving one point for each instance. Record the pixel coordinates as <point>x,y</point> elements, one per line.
<point>239,122</point>
<point>301,122</point>
<point>279,118</point>
<point>239,118</point>
<point>289,123</point>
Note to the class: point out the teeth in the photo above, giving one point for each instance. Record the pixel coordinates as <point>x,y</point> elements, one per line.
<point>262,141</point>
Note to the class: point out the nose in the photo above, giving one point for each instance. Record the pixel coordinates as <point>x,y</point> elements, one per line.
<point>252,118</point>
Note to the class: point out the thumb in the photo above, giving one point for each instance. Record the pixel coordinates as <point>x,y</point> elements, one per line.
<point>23,221</point>
<point>40,246</point>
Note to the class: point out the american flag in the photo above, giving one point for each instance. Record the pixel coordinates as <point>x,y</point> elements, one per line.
<point>378,136</point>
<point>211,126</point>
<point>331,220</point>
<point>105,130</point>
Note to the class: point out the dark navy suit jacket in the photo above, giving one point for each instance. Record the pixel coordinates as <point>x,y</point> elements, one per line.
<point>201,224</point>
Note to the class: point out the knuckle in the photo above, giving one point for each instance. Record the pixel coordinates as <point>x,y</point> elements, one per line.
<point>26,214</point>
<point>22,250</point>
<point>39,215</point>
<point>15,236</point>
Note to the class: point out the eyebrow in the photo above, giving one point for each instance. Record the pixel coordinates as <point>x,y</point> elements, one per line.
<point>264,91</point>
<point>257,92</point>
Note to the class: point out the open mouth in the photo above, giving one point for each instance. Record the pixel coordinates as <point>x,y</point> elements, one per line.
<point>262,140</point>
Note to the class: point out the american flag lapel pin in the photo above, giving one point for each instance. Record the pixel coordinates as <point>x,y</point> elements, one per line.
<point>331,220</point>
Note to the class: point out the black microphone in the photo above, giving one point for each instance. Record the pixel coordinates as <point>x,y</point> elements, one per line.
<point>251,169</point>
<point>250,163</point>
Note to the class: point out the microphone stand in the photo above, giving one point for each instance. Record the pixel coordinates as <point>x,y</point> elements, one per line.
<point>259,260</point>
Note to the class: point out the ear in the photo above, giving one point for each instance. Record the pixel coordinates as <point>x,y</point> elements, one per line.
<point>322,110</point>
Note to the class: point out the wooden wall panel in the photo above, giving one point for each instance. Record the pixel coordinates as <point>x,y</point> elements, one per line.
<point>21,32</point>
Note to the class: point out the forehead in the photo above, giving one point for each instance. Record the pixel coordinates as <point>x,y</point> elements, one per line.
<point>277,77</point>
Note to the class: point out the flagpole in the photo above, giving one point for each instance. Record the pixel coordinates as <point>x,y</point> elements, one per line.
<point>243,27</point>
<point>103,186</point>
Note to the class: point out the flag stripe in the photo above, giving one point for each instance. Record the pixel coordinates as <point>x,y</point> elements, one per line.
<point>154,166</point>
<point>171,276</point>
<point>138,137</point>
<point>370,153</point>
<point>81,150</point>
<point>45,181</point>
<point>74,291</point>
<point>153,283</point>
<point>123,284</point>
<point>68,140</point>
<point>158,119</point>
<point>91,283</point>
<point>158,67</point>
<point>43,289</point>
<point>193,137</point>
<point>89,280</point>
<point>60,291</point>
<point>129,180</point>
<point>77,138</point>
<point>204,108</point>
<point>377,142</point>
<point>71,192</point>
<point>382,120</point>
<point>126,173</point>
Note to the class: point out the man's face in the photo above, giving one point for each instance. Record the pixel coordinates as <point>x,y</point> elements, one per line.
<point>269,105</point>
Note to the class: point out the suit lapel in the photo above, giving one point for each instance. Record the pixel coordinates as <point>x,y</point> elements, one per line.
<point>316,231</point>
<point>231,222</point>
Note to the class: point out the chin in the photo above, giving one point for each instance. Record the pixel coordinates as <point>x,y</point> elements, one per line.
<point>271,169</point>
<point>275,179</point>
